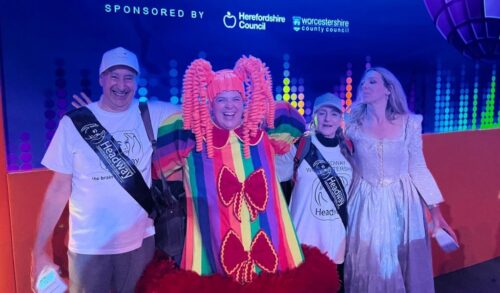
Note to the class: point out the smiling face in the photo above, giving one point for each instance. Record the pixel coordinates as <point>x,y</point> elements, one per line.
<point>227,109</point>
<point>119,84</point>
<point>373,88</point>
<point>329,119</point>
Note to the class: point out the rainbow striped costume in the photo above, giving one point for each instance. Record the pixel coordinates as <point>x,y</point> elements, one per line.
<point>237,218</point>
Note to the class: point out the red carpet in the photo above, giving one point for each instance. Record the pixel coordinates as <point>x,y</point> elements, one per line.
<point>317,274</point>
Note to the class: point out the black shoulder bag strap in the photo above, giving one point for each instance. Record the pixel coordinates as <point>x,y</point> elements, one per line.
<point>329,180</point>
<point>146,118</point>
<point>110,153</point>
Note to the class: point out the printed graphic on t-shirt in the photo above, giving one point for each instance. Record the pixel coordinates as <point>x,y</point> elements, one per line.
<point>321,205</point>
<point>130,145</point>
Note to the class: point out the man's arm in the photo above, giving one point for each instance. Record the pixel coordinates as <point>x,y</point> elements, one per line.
<point>56,197</point>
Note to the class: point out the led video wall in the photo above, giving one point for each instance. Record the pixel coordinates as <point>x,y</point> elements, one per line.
<point>52,49</point>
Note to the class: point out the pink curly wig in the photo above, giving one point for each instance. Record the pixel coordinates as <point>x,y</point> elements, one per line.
<point>250,77</point>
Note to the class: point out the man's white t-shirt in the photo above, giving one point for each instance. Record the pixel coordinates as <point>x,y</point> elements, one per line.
<point>313,213</point>
<point>104,218</point>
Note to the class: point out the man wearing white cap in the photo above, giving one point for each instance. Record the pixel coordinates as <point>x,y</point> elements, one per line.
<point>322,176</point>
<point>111,236</point>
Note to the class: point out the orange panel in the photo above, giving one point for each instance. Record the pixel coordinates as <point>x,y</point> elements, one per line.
<point>466,166</point>
<point>26,195</point>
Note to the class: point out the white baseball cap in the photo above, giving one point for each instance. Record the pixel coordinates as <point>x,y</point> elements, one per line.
<point>119,56</point>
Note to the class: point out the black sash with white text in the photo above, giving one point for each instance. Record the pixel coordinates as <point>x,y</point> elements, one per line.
<point>329,180</point>
<point>110,153</point>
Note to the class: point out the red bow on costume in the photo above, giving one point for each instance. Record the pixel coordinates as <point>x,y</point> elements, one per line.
<point>253,191</point>
<point>239,263</point>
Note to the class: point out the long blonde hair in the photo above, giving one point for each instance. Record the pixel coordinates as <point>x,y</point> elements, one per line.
<point>396,105</point>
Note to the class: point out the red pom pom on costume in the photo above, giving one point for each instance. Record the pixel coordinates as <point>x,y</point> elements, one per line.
<point>317,274</point>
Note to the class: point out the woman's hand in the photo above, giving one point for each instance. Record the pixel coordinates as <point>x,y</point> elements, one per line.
<point>82,101</point>
<point>439,222</point>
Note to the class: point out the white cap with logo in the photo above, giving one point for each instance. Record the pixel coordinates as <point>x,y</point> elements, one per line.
<point>119,56</point>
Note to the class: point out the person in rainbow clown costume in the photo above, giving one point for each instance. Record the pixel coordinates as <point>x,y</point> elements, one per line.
<point>238,225</point>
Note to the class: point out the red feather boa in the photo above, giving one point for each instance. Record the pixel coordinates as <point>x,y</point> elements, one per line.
<point>317,274</point>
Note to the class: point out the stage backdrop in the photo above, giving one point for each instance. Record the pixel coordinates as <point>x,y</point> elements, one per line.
<point>52,49</point>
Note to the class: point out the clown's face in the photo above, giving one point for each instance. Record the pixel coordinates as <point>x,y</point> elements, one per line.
<point>227,109</point>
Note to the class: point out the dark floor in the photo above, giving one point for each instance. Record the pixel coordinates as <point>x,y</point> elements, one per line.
<point>480,278</point>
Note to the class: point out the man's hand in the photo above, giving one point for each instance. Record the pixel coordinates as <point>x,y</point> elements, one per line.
<point>82,101</point>
<point>39,260</point>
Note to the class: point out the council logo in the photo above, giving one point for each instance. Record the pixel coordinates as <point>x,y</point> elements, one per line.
<point>296,23</point>
<point>229,20</point>
<point>321,25</point>
<point>251,21</point>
